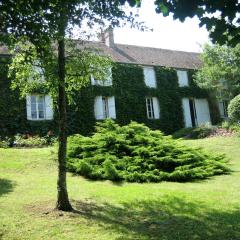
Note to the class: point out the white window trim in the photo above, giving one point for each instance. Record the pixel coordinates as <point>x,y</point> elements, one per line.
<point>37,109</point>
<point>149,106</point>
<point>104,107</point>
<point>47,107</point>
<point>152,108</point>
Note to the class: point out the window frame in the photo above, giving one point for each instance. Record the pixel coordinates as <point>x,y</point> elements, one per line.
<point>37,107</point>
<point>180,72</point>
<point>145,69</point>
<point>150,108</point>
<point>106,113</point>
<point>224,106</point>
<point>103,83</point>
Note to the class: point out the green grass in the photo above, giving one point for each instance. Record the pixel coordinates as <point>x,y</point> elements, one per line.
<point>206,210</point>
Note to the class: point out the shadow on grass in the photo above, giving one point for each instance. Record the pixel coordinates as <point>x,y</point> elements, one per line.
<point>6,186</point>
<point>168,218</point>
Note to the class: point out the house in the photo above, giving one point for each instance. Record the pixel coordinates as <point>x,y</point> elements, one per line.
<point>149,85</point>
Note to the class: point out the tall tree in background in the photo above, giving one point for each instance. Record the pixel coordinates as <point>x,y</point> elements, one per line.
<point>42,23</point>
<point>220,17</point>
<point>220,71</point>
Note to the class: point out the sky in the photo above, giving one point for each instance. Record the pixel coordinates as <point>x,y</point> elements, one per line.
<point>167,33</point>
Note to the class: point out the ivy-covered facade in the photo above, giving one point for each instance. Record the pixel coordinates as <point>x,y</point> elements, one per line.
<point>130,94</point>
<point>147,85</point>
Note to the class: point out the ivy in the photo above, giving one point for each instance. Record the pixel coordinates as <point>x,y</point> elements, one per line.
<point>129,90</point>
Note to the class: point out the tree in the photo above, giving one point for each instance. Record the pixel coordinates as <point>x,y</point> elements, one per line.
<point>220,17</point>
<point>220,71</point>
<point>43,23</point>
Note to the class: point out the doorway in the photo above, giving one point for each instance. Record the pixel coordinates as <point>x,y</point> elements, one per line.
<point>193,113</point>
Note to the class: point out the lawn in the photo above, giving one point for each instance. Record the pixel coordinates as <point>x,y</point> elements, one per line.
<point>206,210</point>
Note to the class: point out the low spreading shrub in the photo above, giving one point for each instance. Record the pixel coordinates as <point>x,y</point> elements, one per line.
<point>137,154</point>
<point>234,109</point>
<point>195,132</point>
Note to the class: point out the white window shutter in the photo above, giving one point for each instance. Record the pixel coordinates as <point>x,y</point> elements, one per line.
<point>182,78</point>
<point>202,111</point>
<point>149,77</point>
<point>48,107</point>
<point>98,108</point>
<point>186,112</point>
<point>28,107</point>
<point>156,108</point>
<point>111,107</point>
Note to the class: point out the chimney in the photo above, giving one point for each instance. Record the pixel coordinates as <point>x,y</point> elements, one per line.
<point>107,37</point>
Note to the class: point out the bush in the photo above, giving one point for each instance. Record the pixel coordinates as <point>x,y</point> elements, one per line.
<point>230,126</point>
<point>137,154</point>
<point>234,109</point>
<point>5,142</point>
<point>195,132</point>
<point>32,141</point>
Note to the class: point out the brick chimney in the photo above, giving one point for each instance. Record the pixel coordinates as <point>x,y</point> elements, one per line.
<point>107,37</point>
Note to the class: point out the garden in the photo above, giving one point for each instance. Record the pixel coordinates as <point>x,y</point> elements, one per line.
<point>145,199</point>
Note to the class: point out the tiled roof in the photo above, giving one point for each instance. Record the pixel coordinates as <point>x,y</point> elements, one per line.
<point>149,56</point>
<point>143,55</point>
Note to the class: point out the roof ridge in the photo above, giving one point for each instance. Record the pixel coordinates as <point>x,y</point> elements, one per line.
<point>170,50</point>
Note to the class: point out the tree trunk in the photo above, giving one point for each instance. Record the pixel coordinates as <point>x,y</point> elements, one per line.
<point>63,202</point>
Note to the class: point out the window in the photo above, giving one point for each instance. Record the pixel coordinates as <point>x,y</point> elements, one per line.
<point>37,73</point>
<point>104,107</point>
<point>182,78</point>
<point>149,77</point>
<point>222,106</point>
<point>39,107</point>
<point>152,105</point>
<point>196,112</point>
<point>106,82</point>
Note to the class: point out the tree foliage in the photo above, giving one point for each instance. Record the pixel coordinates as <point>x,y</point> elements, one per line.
<point>220,71</point>
<point>32,74</point>
<point>220,17</point>
<point>40,20</point>
<point>43,23</point>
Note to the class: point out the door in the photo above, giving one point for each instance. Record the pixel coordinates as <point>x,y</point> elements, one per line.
<point>202,111</point>
<point>193,114</point>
